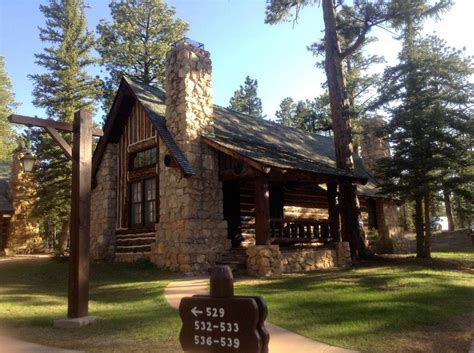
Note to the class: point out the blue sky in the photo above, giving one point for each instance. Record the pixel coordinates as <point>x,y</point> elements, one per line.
<point>237,38</point>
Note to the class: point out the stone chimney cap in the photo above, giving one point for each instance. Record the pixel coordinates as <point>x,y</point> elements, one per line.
<point>188,41</point>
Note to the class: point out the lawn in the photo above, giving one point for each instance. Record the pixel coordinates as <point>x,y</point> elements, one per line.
<point>392,305</point>
<point>396,305</point>
<point>128,299</point>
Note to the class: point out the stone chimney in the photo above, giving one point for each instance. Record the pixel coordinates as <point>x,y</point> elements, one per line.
<point>373,148</point>
<point>192,232</point>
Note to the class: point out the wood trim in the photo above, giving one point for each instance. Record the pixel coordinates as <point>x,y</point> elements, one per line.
<point>142,145</point>
<point>58,125</point>
<point>60,141</point>
<point>142,173</point>
<point>260,167</point>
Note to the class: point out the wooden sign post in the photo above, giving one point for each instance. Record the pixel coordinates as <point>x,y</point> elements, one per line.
<point>81,156</point>
<point>221,322</point>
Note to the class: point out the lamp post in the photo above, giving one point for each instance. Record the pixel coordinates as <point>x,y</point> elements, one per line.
<point>81,156</point>
<point>27,161</point>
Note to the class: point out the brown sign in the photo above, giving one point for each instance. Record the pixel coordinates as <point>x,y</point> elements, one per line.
<point>223,324</point>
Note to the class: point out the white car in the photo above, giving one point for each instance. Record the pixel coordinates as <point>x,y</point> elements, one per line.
<point>439,223</point>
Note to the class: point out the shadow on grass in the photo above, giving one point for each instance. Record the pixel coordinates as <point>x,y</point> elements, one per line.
<point>127,297</point>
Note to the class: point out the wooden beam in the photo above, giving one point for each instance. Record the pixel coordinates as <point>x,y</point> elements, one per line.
<point>260,167</point>
<point>38,122</point>
<point>78,298</point>
<point>60,141</point>
<point>333,210</point>
<point>262,210</point>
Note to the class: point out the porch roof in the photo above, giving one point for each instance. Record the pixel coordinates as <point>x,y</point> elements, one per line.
<point>274,145</point>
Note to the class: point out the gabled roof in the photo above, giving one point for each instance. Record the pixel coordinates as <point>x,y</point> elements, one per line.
<point>275,145</point>
<point>153,101</point>
<point>265,142</point>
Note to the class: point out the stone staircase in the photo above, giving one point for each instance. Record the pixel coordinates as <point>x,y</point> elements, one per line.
<point>133,247</point>
<point>236,259</point>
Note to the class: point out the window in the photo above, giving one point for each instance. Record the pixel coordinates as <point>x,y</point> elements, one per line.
<point>143,202</point>
<point>143,158</point>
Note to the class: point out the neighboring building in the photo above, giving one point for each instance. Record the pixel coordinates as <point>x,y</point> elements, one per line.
<point>188,184</point>
<point>6,208</point>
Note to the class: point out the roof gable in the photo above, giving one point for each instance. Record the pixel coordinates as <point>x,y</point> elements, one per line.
<point>152,100</point>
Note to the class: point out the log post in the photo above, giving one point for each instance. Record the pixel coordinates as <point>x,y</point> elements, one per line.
<point>80,216</point>
<point>333,210</point>
<point>262,210</point>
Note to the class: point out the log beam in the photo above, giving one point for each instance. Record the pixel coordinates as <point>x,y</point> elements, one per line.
<point>262,210</point>
<point>62,143</point>
<point>333,210</point>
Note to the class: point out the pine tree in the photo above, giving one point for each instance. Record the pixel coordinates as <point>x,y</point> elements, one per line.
<point>135,43</point>
<point>64,88</point>
<point>245,100</point>
<point>431,130</point>
<point>7,105</point>
<point>286,112</point>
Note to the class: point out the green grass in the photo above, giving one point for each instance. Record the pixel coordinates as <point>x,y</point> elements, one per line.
<point>465,257</point>
<point>128,299</point>
<point>393,307</point>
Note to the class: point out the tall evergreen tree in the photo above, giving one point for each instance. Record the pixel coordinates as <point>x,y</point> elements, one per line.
<point>431,128</point>
<point>135,43</point>
<point>64,88</point>
<point>311,116</point>
<point>245,100</point>
<point>7,104</point>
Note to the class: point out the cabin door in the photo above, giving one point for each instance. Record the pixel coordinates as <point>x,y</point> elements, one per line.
<point>232,211</point>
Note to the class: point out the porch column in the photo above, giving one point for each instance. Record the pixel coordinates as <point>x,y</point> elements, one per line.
<point>333,210</point>
<point>262,210</point>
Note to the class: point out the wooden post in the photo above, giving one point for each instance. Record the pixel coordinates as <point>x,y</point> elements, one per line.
<point>78,298</point>
<point>262,210</point>
<point>333,210</point>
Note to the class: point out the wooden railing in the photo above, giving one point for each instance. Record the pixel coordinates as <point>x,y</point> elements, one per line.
<point>299,231</point>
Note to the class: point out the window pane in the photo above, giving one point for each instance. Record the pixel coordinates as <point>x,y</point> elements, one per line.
<point>150,197</point>
<point>143,158</point>
<point>136,203</point>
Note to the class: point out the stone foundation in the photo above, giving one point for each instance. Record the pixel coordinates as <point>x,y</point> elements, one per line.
<point>400,245</point>
<point>104,207</point>
<point>271,261</point>
<point>299,260</point>
<point>343,252</point>
<point>264,261</point>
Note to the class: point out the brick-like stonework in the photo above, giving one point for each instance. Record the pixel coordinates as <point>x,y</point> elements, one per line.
<point>192,232</point>
<point>308,259</point>
<point>104,207</point>
<point>264,261</point>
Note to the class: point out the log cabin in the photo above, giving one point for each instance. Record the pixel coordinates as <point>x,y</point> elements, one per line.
<point>187,184</point>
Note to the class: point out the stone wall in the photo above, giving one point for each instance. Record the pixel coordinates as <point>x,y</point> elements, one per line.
<point>192,232</point>
<point>104,206</point>
<point>308,259</point>
<point>373,148</point>
<point>272,261</point>
<point>264,261</point>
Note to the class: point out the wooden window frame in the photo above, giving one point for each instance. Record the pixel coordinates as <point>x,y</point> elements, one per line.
<point>141,174</point>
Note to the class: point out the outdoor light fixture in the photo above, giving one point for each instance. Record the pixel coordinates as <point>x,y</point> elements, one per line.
<point>28,161</point>
<point>7,216</point>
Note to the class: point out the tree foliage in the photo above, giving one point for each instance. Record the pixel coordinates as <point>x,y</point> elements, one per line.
<point>308,115</point>
<point>431,127</point>
<point>135,43</point>
<point>245,100</point>
<point>7,105</point>
<point>64,88</point>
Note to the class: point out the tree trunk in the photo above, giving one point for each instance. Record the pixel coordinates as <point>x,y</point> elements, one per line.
<point>63,238</point>
<point>427,238</point>
<point>420,253</point>
<point>404,217</point>
<point>348,202</point>
<point>449,210</point>
<point>460,211</point>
